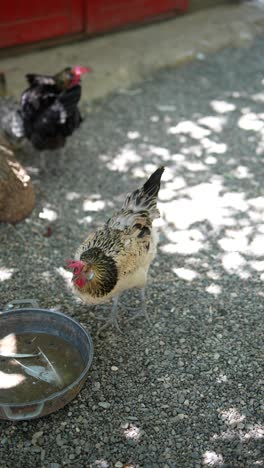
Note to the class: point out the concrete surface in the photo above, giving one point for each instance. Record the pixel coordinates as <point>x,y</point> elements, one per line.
<point>198,5</point>
<point>125,58</point>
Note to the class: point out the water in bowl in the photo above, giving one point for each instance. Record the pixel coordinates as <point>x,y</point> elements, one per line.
<point>34,366</point>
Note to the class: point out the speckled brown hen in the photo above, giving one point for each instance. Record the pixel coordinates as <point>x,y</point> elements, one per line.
<point>17,196</point>
<point>117,256</point>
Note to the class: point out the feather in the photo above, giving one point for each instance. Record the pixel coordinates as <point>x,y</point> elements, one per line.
<point>140,207</point>
<point>35,80</point>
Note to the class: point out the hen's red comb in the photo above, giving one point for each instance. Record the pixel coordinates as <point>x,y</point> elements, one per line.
<point>76,265</point>
<point>79,70</point>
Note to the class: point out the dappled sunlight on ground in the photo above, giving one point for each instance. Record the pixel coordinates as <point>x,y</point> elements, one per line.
<point>123,160</point>
<point>255,432</point>
<point>6,273</point>
<point>49,214</point>
<point>132,432</point>
<point>185,273</point>
<point>93,205</point>
<point>232,417</point>
<point>222,107</point>
<point>211,458</point>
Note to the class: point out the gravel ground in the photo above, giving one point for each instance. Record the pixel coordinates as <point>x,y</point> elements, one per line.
<point>188,390</point>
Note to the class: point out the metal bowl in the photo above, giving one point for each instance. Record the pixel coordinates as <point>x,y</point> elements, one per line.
<point>36,320</point>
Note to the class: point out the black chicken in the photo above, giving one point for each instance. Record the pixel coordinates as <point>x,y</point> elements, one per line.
<point>48,111</point>
<point>49,107</point>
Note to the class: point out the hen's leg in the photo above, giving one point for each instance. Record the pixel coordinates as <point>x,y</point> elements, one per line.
<point>57,156</point>
<point>141,311</point>
<point>43,160</point>
<point>61,158</point>
<point>111,320</point>
<point>57,161</point>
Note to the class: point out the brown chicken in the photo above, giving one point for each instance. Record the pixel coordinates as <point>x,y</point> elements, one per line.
<point>117,256</point>
<point>17,197</point>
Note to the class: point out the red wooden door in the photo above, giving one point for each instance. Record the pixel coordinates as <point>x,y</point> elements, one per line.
<point>103,15</point>
<point>24,21</point>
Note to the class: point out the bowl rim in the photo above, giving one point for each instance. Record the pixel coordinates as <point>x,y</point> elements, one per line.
<point>76,382</point>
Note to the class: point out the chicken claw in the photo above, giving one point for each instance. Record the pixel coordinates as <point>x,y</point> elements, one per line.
<point>110,320</point>
<point>140,311</point>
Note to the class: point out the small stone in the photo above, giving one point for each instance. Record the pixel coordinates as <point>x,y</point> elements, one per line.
<point>181,398</point>
<point>104,404</point>
<point>240,425</point>
<point>59,441</point>
<point>72,456</point>
<point>36,449</point>
<point>114,369</point>
<point>124,425</point>
<point>37,435</point>
<point>54,465</point>
<point>216,356</point>
<point>181,416</point>
<point>119,464</point>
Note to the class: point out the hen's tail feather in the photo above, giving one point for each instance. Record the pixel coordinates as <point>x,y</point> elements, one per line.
<point>140,207</point>
<point>33,79</point>
<point>152,186</point>
<point>146,196</point>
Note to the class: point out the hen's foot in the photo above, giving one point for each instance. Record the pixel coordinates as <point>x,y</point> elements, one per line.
<point>110,319</point>
<point>139,311</point>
